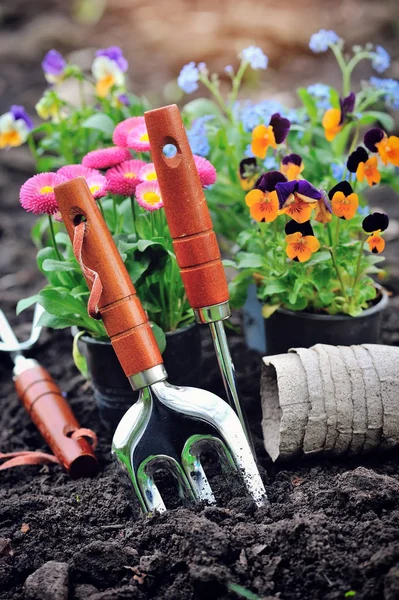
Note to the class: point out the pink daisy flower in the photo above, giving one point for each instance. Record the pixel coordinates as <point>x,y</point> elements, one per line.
<point>123,129</point>
<point>37,194</point>
<point>138,139</point>
<point>106,157</point>
<point>72,171</point>
<point>148,173</point>
<point>123,179</point>
<point>206,170</point>
<point>98,185</point>
<point>148,195</point>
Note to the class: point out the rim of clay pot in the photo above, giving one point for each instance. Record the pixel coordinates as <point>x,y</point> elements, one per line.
<point>379,306</point>
<point>91,340</point>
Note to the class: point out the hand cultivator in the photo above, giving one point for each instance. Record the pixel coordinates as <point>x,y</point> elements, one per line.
<point>169,426</point>
<point>194,240</point>
<point>47,408</point>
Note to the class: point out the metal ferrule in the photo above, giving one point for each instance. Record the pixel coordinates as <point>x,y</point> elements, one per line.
<point>211,314</point>
<point>23,364</point>
<point>149,377</point>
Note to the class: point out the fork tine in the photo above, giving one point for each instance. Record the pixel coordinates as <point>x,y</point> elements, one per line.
<point>194,470</point>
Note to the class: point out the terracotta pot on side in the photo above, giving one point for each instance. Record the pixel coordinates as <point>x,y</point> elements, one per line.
<point>112,391</point>
<point>287,329</point>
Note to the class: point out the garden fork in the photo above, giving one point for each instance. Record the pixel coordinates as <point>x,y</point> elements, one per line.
<point>194,241</point>
<point>169,426</point>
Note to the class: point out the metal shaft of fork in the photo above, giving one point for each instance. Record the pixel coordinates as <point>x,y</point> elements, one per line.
<point>228,373</point>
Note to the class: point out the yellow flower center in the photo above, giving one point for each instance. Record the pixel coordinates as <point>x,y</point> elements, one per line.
<point>129,175</point>
<point>151,198</point>
<point>46,189</point>
<point>94,188</point>
<point>151,177</point>
<point>144,138</point>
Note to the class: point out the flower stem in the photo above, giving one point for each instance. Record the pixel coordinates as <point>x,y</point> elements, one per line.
<point>346,74</point>
<point>52,234</point>
<point>133,205</point>
<point>218,96</point>
<point>237,82</point>
<point>338,272</point>
<point>357,273</point>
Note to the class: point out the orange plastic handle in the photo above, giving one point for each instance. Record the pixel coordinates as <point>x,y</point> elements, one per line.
<point>121,311</point>
<point>55,420</point>
<point>187,214</point>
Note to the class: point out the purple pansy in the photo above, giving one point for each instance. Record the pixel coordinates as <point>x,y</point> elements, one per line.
<point>281,127</point>
<point>268,181</point>
<point>301,189</point>
<point>347,105</point>
<point>123,99</point>
<point>293,227</point>
<point>372,137</point>
<point>374,222</point>
<point>293,159</point>
<point>19,113</point>
<point>54,63</point>
<point>114,53</point>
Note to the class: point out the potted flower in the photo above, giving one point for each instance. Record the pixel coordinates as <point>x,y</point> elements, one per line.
<point>103,139</point>
<point>291,193</point>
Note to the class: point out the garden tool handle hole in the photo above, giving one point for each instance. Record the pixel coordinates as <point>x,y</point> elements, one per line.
<point>171,152</point>
<point>77,219</point>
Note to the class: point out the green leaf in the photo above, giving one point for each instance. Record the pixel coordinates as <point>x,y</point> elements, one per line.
<point>49,265</point>
<point>242,591</point>
<point>300,304</point>
<point>159,336</point>
<point>78,358</point>
<point>340,141</point>
<point>100,122</point>
<point>371,116</point>
<point>277,286</point>
<point>248,260</point>
<point>25,303</point>
<point>61,303</point>
<point>319,257</point>
<point>200,108</point>
<point>309,103</point>
<point>47,320</point>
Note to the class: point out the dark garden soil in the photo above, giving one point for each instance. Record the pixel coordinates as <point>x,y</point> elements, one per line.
<point>332,527</point>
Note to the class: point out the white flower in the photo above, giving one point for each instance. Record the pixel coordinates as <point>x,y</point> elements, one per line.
<point>13,132</point>
<point>107,75</point>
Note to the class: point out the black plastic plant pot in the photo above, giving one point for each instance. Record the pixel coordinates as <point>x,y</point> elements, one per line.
<point>287,329</point>
<point>112,391</point>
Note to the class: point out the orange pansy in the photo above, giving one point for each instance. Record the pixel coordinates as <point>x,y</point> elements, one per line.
<point>263,206</point>
<point>369,170</point>
<point>262,138</point>
<point>299,210</point>
<point>344,207</point>
<point>301,247</point>
<point>388,149</point>
<point>331,123</point>
<point>376,242</point>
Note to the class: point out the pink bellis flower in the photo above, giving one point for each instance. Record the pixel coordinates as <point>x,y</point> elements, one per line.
<point>123,129</point>
<point>206,170</point>
<point>123,179</point>
<point>137,139</point>
<point>105,158</point>
<point>148,173</point>
<point>37,194</point>
<point>148,195</point>
<point>72,171</point>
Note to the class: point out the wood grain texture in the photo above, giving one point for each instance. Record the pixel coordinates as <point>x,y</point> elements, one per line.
<point>54,418</point>
<point>186,210</point>
<point>119,306</point>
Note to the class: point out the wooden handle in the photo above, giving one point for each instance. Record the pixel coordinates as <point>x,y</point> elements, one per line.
<point>55,420</point>
<point>186,210</point>
<point>120,309</point>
